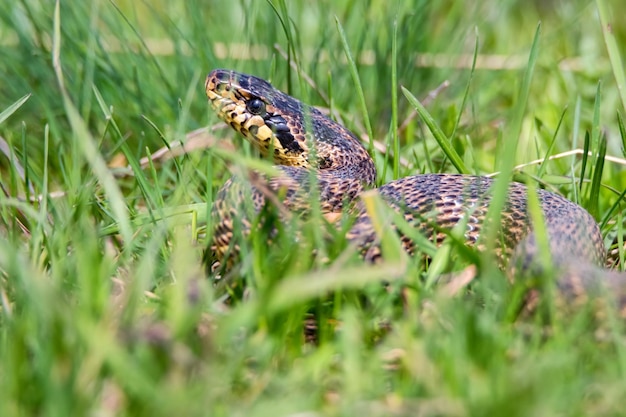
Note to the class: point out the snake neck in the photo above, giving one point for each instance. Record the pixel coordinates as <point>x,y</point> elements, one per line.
<point>338,149</point>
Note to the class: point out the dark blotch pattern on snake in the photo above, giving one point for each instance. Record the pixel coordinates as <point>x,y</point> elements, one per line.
<point>302,139</point>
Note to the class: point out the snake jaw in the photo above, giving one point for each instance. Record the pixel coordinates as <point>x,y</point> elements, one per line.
<point>255,128</point>
<point>268,131</point>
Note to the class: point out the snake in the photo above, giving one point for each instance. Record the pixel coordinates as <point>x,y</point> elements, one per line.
<point>309,149</point>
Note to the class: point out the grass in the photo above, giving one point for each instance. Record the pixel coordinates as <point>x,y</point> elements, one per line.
<point>105,305</point>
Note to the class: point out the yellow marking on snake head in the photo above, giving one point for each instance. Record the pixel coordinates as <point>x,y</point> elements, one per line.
<point>265,134</point>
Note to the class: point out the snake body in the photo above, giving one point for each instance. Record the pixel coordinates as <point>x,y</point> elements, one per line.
<point>303,140</point>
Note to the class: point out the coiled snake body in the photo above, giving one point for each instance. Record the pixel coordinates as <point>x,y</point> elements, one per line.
<point>303,139</point>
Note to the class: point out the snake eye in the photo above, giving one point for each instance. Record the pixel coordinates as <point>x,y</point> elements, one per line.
<point>256,106</point>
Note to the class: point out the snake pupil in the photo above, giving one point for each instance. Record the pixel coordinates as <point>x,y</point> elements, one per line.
<point>256,106</point>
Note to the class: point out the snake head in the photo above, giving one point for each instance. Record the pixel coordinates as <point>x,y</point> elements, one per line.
<point>269,119</point>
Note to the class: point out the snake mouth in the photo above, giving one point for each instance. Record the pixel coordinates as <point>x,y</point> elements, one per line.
<point>229,101</point>
<point>218,86</point>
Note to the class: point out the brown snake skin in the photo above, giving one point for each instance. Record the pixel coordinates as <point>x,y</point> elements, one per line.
<point>303,139</point>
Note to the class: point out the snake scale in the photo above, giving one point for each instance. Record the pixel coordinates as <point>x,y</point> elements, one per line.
<point>302,139</point>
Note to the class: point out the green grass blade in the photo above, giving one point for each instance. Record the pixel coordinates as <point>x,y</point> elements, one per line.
<point>6,113</point>
<point>283,17</point>
<point>612,47</point>
<point>507,159</point>
<point>298,289</point>
<point>440,137</point>
<point>622,132</point>
<point>379,212</point>
<point>544,258</point>
<point>583,168</point>
<point>357,85</point>
<point>596,129</point>
<point>395,140</point>
<point>596,180</point>
<point>468,84</point>
<point>544,164</point>
<point>166,83</point>
<point>614,209</point>
<point>598,149</point>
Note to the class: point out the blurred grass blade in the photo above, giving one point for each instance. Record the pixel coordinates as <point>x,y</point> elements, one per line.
<point>147,189</point>
<point>622,132</point>
<point>598,152</point>
<point>357,85</point>
<point>544,165</point>
<point>176,215</point>
<point>395,140</point>
<point>544,256</point>
<point>612,47</point>
<point>379,213</point>
<point>166,82</point>
<point>583,165</point>
<point>576,179</point>
<point>596,129</point>
<point>283,17</point>
<point>509,148</point>
<point>440,137</point>
<point>468,84</point>
<point>608,216</point>
<point>296,290</point>
<point>6,113</point>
